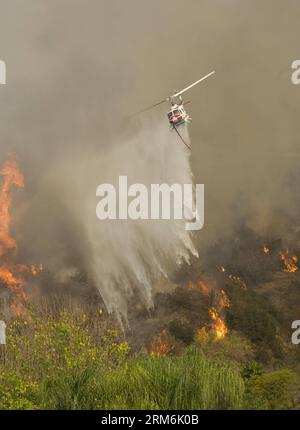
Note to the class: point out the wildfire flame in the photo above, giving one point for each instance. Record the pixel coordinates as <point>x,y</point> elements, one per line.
<point>224,300</point>
<point>219,325</point>
<point>289,262</point>
<point>234,278</point>
<point>161,345</point>
<point>191,286</point>
<point>12,177</point>
<point>266,249</point>
<point>202,287</point>
<point>14,276</point>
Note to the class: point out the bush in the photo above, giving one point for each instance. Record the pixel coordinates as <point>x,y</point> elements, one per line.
<point>16,392</point>
<point>275,390</point>
<point>252,369</point>
<point>232,348</point>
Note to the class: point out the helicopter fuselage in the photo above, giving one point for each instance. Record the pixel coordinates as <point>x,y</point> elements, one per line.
<point>177,115</point>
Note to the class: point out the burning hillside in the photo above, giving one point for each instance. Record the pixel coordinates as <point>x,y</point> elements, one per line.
<point>200,300</point>
<point>243,287</point>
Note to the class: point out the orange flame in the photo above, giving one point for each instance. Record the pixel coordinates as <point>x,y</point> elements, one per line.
<point>219,325</point>
<point>289,262</point>
<point>234,278</point>
<point>14,276</point>
<point>11,177</point>
<point>203,287</point>
<point>161,345</point>
<point>224,300</point>
<point>191,286</point>
<point>266,249</point>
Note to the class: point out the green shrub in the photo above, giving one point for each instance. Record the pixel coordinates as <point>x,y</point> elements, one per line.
<point>252,369</point>
<point>48,345</point>
<point>232,348</point>
<point>17,392</point>
<point>275,390</point>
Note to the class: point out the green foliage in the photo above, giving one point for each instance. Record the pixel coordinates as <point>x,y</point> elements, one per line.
<point>16,392</point>
<point>252,369</point>
<point>62,362</point>
<point>46,346</point>
<point>253,315</point>
<point>190,381</point>
<point>233,348</point>
<point>274,390</point>
<point>70,391</point>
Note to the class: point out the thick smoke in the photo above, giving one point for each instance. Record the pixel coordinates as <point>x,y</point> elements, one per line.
<point>77,70</point>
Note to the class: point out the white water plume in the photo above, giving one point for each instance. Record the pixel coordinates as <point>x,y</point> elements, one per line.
<point>128,256</point>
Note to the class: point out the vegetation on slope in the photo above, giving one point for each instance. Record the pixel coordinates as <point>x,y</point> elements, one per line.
<point>62,362</point>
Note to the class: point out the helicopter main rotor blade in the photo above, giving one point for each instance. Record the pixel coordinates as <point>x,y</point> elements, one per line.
<point>178,93</point>
<point>192,85</point>
<point>153,106</point>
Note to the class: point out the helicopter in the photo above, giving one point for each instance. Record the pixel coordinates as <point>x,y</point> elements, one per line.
<point>177,114</point>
